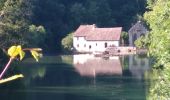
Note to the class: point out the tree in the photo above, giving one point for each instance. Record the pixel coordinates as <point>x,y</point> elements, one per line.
<point>2,3</point>
<point>15,21</point>
<point>158,18</point>
<point>140,42</point>
<point>124,38</point>
<point>60,17</point>
<point>159,35</point>
<point>67,42</point>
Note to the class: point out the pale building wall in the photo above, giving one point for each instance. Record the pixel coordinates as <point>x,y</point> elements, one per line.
<point>82,58</point>
<point>81,45</point>
<point>78,44</point>
<point>100,45</point>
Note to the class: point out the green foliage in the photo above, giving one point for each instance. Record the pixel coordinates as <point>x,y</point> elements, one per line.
<point>124,37</point>
<point>2,3</point>
<point>158,18</point>
<point>20,20</point>
<point>15,24</point>
<point>61,17</point>
<point>141,42</point>
<point>159,34</point>
<point>159,88</point>
<point>67,42</point>
<point>36,35</point>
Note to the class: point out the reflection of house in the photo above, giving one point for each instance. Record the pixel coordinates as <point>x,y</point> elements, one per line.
<point>89,38</point>
<point>135,32</point>
<point>87,65</point>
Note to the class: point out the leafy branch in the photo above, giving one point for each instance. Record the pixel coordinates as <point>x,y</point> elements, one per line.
<point>17,52</point>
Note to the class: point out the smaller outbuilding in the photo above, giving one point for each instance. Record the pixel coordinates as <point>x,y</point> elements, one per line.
<point>136,31</point>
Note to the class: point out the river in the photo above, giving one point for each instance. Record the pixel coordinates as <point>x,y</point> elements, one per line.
<point>80,77</point>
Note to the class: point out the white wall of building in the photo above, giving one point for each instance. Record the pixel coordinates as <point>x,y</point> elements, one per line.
<point>81,45</point>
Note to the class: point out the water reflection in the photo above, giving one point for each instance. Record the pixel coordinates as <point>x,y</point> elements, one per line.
<point>88,65</point>
<point>138,65</point>
<point>32,72</point>
<point>80,77</point>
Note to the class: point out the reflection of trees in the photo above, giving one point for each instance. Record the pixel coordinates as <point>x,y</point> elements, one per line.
<point>138,65</point>
<point>159,85</point>
<point>32,71</point>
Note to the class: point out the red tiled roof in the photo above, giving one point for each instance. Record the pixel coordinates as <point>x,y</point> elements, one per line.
<point>90,32</point>
<point>83,30</point>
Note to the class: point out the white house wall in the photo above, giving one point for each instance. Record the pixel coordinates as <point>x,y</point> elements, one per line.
<point>78,43</point>
<point>81,45</point>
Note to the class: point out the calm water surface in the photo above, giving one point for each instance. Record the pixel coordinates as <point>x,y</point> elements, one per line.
<point>80,77</point>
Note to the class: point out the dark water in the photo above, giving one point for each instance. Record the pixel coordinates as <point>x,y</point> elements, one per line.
<point>80,77</point>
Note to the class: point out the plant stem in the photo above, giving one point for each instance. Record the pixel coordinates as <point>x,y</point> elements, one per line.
<point>6,67</point>
<point>11,78</point>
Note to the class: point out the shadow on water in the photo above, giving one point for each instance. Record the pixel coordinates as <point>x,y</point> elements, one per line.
<point>80,77</point>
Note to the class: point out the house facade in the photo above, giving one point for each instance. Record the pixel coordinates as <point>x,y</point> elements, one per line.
<point>89,38</point>
<point>136,31</point>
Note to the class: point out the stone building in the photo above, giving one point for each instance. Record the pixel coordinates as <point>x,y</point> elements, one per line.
<point>89,38</point>
<point>136,31</point>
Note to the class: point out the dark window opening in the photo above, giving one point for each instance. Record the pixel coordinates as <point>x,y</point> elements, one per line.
<point>84,45</point>
<point>105,45</point>
<point>89,46</point>
<point>142,34</point>
<point>77,45</point>
<point>134,38</point>
<point>96,44</point>
<point>129,50</point>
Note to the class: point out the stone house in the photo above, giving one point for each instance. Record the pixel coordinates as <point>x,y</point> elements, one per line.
<point>89,38</point>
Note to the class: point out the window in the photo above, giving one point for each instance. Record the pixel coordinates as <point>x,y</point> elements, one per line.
<point>134,38</point>
<point>142,34</point>
<point>77,38</point>
<point>96,44</point>
<point>84,45</point>
<point>105,45</point>
<point>89,46</point>
<point>77,45</point>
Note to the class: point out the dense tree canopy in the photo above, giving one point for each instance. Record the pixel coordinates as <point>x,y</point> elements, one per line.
<point>158,42</point>
<point>67,42</point>
<point>16,24</point>
<point>60,17</point>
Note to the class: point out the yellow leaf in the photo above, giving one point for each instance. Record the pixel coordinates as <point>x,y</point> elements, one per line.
<point>35,54</point>
<point>21,54</point>
<point>11,78</point>
<point>12,51</point>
